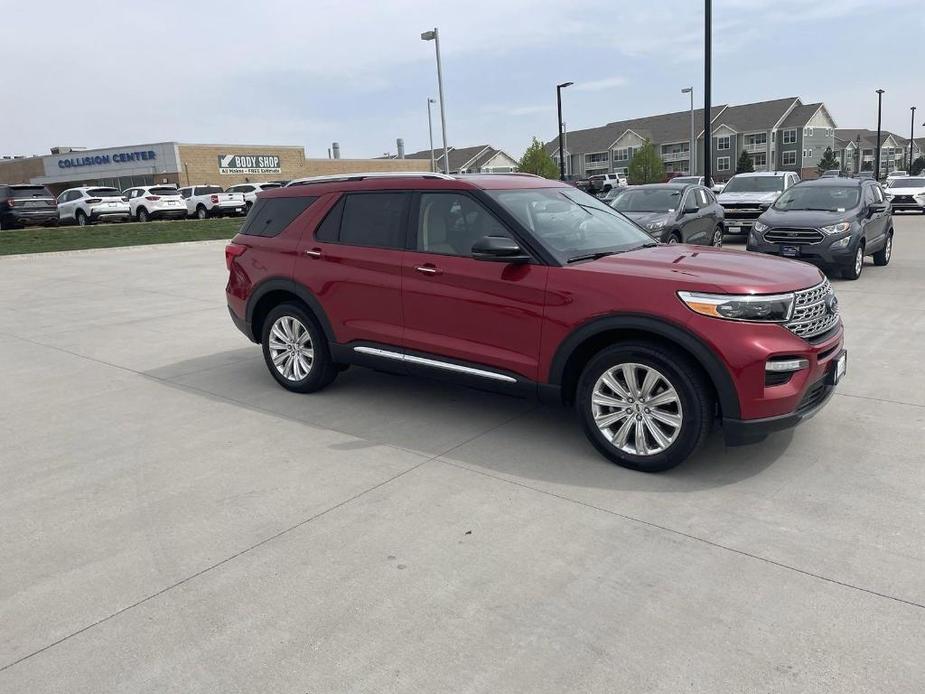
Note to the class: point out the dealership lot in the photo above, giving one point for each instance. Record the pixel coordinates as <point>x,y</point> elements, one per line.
<point>171,519</point>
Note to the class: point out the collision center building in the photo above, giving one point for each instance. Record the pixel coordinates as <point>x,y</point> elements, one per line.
<point>181,164</point>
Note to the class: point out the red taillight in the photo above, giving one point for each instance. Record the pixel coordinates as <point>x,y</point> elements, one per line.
<point>93,201</point>
<point>152,198</point>
<point>10,203</point>
<point>232,251</point>
<point>214,199</point>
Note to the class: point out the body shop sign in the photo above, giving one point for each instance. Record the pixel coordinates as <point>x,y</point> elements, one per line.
<point>248,164</point>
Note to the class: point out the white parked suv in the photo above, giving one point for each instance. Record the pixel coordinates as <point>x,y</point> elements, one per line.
<point>907,193</point>
<point>212,201</point>
<point>155,202</point>
<point>89,204</point>
<point>603,183</point>
<point>250,190</point>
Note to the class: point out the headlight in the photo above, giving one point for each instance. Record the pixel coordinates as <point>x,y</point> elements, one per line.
<point>841,243</point>
<point>760,227</point>
<point>836,228</point>
<point>652,226</point>
<point>747,307</point>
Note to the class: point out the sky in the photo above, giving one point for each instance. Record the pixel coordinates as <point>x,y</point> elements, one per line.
<point>356,72</point>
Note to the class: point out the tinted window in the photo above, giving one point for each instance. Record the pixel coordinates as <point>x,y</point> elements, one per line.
<point>104,193</point>
<point>910,182</point>
<point>822,198</point>
<point>74,195</point>
<point>450,223</point>
<point>878,193</point>
<point>29,192</point>
<point>184,192</point>
<point>271,215</point>
<point>755,184</point>
<point>161,191</point>
<point>701,198</point>
<point>648,200</point>
<point>374,219</point>
<point>208,190</point>
<point>329,228</point>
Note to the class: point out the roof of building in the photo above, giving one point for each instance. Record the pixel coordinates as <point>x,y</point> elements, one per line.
<point>800,115</point>
<point>471,158</point>
<point>761,115</point>
<point>868,137</point>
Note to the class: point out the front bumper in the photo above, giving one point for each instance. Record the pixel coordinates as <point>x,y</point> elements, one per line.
<point>907,205</point>
<point>820,254</point>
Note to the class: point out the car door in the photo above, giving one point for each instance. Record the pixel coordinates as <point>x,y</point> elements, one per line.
<point>456,307</point>
<point>68,206</point>
<point>353,265</point>
<point>875,231</point>
<point>689,217</point>
<point>185,193</point>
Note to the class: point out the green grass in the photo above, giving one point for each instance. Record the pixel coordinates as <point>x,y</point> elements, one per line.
<point>72,238</point>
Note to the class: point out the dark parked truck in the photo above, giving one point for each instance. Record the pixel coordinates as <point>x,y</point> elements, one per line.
<point>746,197</point>
<point>530,287</point>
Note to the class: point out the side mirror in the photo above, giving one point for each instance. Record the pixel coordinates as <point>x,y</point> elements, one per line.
<point>499,249</point>
<point>876,207</point>
<point>690,210</point>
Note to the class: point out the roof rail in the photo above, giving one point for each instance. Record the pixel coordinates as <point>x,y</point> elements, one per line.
<point>331,178</point>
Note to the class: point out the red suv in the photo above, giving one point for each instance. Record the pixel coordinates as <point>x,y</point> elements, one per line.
<point>529,286</point>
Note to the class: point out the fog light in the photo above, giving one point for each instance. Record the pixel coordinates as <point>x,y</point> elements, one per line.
<point>841,243</point>
<point>786,365</point>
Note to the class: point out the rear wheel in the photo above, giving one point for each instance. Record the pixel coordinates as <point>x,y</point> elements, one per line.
<point>142,214</point>
<point>853,270</point>
<point>717,240</point>
<point>644,406</point>
<point>296,351</point>
<point>882,257</point>
<point>201,212</point>
<point>81,218</point>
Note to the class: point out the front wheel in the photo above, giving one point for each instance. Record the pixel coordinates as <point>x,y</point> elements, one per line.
<point>295,350</point>
<point>717,240</point>
<point>853,270</point>
<point>882,257</point>
<point>674,238</point>
<point>643,406</point>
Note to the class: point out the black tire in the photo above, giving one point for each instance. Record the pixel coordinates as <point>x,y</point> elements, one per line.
<point>202,212</point>
<point>142,214</point>
<point>322,369</point>
<point>673,237</point>
<point>694,395</point>
<point>853,269</point>
<point>80,218</point>
<point>717,240</point>
<point>882,257</point>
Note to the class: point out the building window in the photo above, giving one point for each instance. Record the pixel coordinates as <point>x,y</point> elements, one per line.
<point>807,132</point>
<point>789,158</point>
<point>597,158</point>
<point>760,159</point>
<point>624,153</point>
<point>807,153</point>
<point>723,163</point>
<point>723,143</point>
<point>757,139</point>
<point>790,137</point>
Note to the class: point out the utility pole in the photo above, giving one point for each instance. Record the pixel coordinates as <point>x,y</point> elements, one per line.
<point>707,108</point>
<point>911,139</point>
<point>559,88</point>
<point>877,153</point>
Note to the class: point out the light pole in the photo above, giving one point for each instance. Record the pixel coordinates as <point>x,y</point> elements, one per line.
<point>430,130</point>
<point>690,155</point>
<point>707,61</point>
<point>877,153</point>
<point>434,36</point>
<point>911,138</point>
<point>559,88</point>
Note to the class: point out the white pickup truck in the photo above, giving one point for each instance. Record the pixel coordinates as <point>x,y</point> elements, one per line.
<point>211,201</point>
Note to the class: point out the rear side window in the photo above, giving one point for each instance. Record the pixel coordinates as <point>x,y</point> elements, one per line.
<point>271,215</point>
<point>377,220</point>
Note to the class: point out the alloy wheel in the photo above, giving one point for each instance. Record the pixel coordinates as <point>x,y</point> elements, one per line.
<point>717,238</point>
<point>637,409</point>
<point>889,247</point>
<point>859,261</point>
<point>291,348</point>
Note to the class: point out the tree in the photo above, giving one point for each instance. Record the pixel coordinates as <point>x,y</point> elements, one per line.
<point>828,161</point>
<point>536,160</point>
<point>918,166</point>
<point>646,165</point>
<point>867,166</point>
<point>745,163</point>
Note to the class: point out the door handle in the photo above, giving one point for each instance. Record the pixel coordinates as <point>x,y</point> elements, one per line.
<point>428,270</point>
<point>313,253</point>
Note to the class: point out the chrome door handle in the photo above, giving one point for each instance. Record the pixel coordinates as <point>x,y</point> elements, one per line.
<point>427,269</point>
<point>313,253</point>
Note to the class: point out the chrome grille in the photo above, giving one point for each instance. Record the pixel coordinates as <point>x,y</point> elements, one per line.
<point>793,236</point>
<point>814,313</point>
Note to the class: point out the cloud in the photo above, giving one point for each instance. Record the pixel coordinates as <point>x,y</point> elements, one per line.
<point>600,85</point>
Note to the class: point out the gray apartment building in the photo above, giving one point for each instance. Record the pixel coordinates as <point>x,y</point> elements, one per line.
<point>782,134</point>
<point>855,149</point>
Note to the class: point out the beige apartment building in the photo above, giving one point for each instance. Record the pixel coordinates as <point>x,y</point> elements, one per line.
<point>181,164</point>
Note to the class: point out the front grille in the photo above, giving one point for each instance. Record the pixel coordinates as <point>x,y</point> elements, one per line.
<point>906,199</point>
<point>796,236</point>
<point>815,311</point>
<point>745,212</point>
<point>814,395</point>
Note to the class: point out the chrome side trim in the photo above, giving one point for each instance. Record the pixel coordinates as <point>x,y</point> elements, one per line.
<point>458,368</point>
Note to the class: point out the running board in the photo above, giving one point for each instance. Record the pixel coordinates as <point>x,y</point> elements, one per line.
<point>434,363</point>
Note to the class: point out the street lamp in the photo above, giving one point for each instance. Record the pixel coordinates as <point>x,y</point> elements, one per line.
<point>434,36</point>
<point>911,138</point>
<point>559,88</point>
<point>430,130</point>
<point>877,154</point>
<point>707,92</point>
<point>690,155</point>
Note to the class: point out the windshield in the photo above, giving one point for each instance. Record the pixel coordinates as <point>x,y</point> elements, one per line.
<point>104,193</point>
<point>686,179</point>
<point>821,198</point>
<point>910,182</point>
<point>755,184</point>
<point>267,186</point>
<point>571,224</point>
<point>648,200</point>
<point>29,192</point>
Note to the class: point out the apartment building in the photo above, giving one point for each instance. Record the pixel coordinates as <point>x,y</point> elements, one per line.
<point>781,134</point>
<point>855,148</point>
<point>463,160</point>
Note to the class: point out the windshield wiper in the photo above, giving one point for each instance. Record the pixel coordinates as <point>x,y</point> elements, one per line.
<point>591,256</point>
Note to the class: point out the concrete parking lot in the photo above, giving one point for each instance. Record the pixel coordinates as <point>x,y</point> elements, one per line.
<point>172,520</point>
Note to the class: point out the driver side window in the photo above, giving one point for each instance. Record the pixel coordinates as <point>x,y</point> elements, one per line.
<point>450,223</point>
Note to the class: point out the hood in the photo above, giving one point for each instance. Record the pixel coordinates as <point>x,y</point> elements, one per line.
<point>643,218</point>
<point>805,218</point>
<point>747,197</point>
<point>708,269</point>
